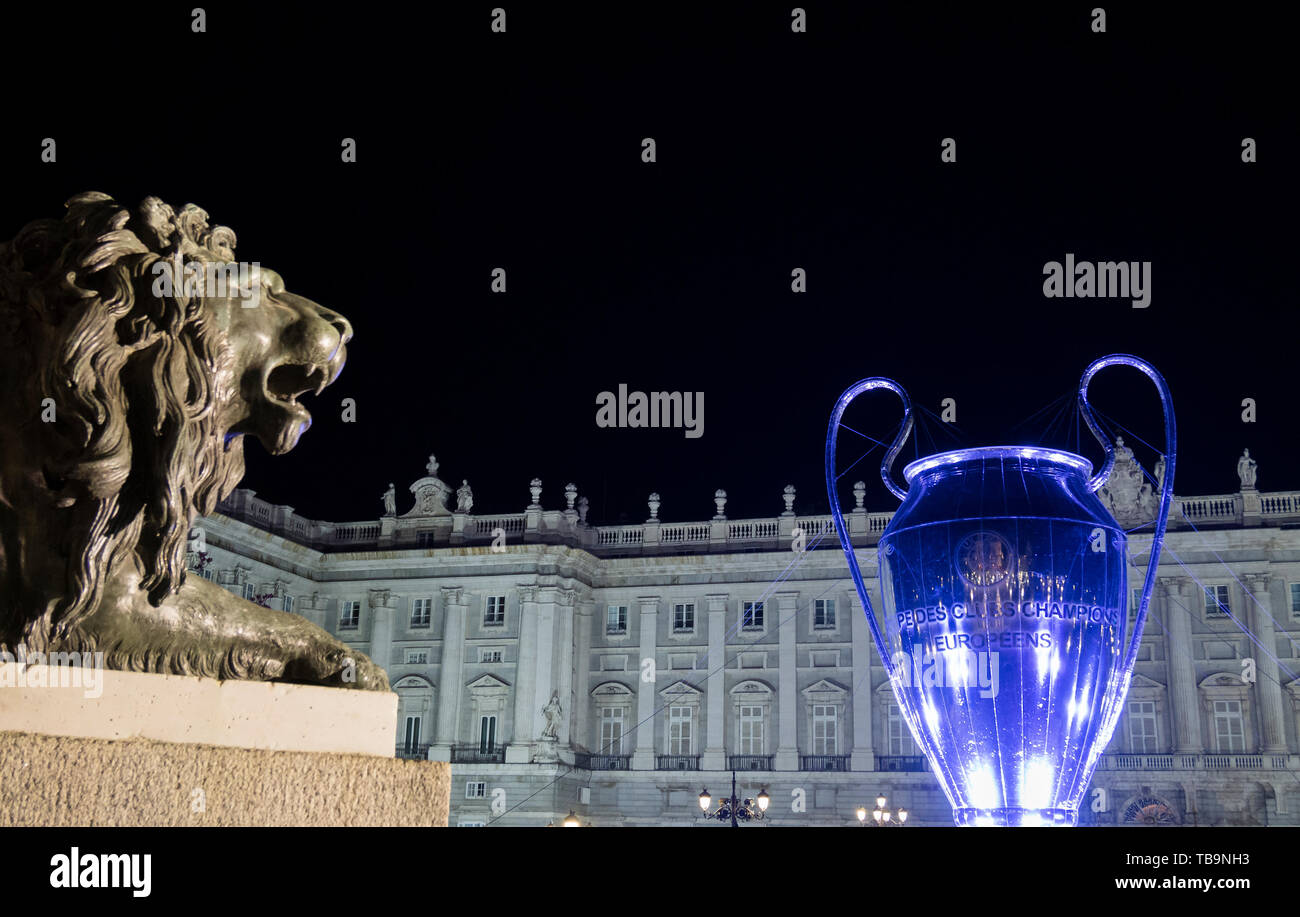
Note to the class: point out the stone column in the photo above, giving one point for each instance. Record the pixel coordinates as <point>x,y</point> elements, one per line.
<point>787,749</point>
<point>863,754</point>
<point>715,746</point>
<point>544,670</point>
<point>381,628</point>
<point>564,664</point>
<point>580,733</point>
<point>449,672</point>
<point>643,757</point>
<point>520,749</point>
<point>1268,688</point>
<point>1184,698</point>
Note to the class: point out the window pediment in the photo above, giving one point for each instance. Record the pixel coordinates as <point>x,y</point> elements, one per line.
<point>413,682</point>
<point>1220,680</point>
<point>825,691</point>
<point>681,692</point>
<point>612,689</point>
<point>488,684</point>
<point>1142,682</point>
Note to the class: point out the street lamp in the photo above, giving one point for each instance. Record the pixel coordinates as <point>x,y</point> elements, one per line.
<point>571,820</point>
<point>881,815</point>
<point>734,809</point>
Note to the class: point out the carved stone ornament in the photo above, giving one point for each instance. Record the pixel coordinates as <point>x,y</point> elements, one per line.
<point>1127,494</point>
<point>125,400</point>
<point>431,494</point>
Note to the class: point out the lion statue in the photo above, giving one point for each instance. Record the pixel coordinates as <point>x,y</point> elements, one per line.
<point>124,403</point>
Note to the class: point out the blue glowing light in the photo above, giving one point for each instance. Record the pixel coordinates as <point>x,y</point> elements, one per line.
<point>1004,587</point>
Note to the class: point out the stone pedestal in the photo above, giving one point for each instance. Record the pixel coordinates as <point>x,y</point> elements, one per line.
<point>546,752</point>
<point>125,749</point>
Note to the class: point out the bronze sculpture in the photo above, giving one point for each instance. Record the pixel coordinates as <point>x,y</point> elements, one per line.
<point>123,412</point>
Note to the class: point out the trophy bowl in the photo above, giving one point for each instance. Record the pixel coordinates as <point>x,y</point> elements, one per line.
<point>1004,585</point>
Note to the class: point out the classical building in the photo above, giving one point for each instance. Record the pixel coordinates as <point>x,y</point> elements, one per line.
<point>616,671</point>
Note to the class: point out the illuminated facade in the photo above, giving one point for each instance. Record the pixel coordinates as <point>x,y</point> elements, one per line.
<point>616,671</point>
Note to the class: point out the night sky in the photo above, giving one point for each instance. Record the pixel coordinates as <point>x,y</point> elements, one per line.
<point>775,151</point>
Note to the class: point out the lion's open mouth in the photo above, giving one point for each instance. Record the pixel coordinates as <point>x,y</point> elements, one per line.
<point>284,419</point>
<point>287,381</point>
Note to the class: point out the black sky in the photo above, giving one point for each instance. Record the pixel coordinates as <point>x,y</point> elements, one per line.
<point>775,151</point>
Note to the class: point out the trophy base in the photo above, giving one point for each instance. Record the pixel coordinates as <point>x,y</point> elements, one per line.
<point>1016,817</point>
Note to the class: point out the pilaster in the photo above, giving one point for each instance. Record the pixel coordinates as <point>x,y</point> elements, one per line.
<point>450,671</point>
<point>787,749</point>
<point>715,751</point>
<point>643,757</point>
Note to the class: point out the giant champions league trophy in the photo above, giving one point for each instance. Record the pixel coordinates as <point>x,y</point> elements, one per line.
<point>1004,582</point>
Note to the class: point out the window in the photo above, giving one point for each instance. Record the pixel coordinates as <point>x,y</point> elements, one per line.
<point>248,591</point>
<point>824,730</point>
<point>684,618</point>
<point>417,657</point>
<point>494,613</point>
<point>491,655</point>
<point>1216,601</point>
<point>751,729</point>
<point>424,540</point>
<point>900,737</point>
<point>412,740</point>
<point>1142,727</point>
<point>208,572</point>
<point>349,615</point>
<point>1135,600</point>
<point>475,789</point>
<point>287,603</point>
<point>753,616</point>
<point>680,720</point>
<point>1228,733</point>
<point>487,733</point>
<point>824,614</point>
<point>1295,601</point>
<point>611,730</point>
<point>420,612</point>
<point>616,619</point>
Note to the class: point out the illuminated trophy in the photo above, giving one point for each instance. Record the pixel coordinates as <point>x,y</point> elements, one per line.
<point>1004,582</point>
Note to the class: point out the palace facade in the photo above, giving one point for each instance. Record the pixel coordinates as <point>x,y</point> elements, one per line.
<point>617,671</point>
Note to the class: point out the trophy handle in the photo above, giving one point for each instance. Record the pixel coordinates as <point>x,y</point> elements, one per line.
<point>886,464</point>
<point>1166,485</point>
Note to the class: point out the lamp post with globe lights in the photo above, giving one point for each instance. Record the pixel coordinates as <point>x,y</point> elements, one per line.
<point>735,809</point>
<point>882,816</point>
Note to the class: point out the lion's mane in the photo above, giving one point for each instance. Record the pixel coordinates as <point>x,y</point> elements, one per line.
<point>109,422</point>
